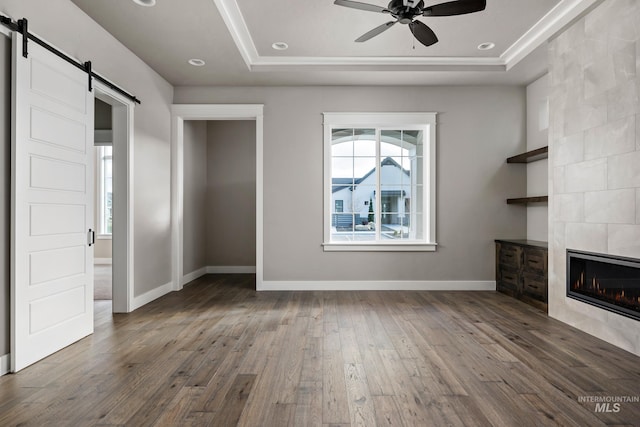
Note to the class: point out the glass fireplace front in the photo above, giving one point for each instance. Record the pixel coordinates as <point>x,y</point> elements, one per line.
<point>609,282</point>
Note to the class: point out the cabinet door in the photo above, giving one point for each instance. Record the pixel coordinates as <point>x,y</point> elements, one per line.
<point>534,286</point>
<point>508,279</point>
<point>535,260</point>
<point>510,255</point>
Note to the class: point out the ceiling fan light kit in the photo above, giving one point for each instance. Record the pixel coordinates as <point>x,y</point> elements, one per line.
<point>406,12</point>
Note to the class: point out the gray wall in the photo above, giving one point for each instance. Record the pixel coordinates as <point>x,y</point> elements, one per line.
<point>102,113</point>
<point>478,128</point>
<point>152,124</point>
<point>5,188</point>
<point>231,193</point>
<point>194,217</point>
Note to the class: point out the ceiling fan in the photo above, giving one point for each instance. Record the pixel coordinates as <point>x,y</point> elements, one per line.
<point>405,12</point>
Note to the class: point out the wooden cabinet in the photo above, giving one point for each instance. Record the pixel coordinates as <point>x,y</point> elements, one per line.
<point>521,270</point>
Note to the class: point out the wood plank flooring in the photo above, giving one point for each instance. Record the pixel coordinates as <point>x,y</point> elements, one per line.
<point>218,353</point>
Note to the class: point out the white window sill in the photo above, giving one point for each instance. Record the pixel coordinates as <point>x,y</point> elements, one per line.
<point>379,247</point>
<point>104,236</point>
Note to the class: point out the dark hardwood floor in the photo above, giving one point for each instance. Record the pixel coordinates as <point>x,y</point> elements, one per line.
<point>218,353</point>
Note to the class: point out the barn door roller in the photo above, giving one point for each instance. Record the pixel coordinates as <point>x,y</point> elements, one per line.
<point>22,27</point>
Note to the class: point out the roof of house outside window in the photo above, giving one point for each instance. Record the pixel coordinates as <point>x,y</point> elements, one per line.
<point>339,184</point>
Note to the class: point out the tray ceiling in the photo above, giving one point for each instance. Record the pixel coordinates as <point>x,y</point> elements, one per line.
<point>235,39</point>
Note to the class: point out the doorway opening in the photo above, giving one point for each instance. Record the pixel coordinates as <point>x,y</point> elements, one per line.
<point>219,198</point>
<point>211,112</point>
<point>103,201</point>
<point>114,196</point>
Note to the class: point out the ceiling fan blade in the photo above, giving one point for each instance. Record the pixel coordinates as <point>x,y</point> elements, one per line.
<point>451,8</point>
<point>377,30</point>
<point>361,6</point>
<point>422,33</point>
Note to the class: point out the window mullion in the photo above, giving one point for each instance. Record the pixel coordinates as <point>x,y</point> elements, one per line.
<point>378,193</point>
<point>402,216</point>
<point>426,195</point>
<point>103,193</point>
<point>353,183</point>
<point>101,190</point>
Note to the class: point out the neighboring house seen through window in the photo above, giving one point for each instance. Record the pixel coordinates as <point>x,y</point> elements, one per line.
<point>380,181</point>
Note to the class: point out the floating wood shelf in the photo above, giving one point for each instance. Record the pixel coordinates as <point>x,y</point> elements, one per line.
<point>527,200</point>
<point>530,156</point>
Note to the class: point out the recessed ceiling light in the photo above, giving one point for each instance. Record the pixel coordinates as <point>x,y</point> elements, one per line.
<point>486,46</point>
<point>196,62</point>
<point>147,3</point>
<point>280,46</point>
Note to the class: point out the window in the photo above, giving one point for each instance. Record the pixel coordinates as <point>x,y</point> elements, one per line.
<point>379,181</point>
<point>105,190</point>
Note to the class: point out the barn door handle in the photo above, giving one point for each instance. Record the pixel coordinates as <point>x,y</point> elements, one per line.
<point>92,237</point>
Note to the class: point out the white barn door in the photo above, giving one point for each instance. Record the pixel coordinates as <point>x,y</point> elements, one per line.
<point>52,205</point>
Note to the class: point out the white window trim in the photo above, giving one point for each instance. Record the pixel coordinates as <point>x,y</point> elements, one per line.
<point>380,120</point>
<point>100,196</point>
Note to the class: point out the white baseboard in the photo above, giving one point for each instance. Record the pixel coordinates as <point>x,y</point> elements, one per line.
<point>102,261</point>
<point>190,277</point>
<point>379,285</point>
<point>151,295</point>
<point>5,364</point>
<point>231,269</point>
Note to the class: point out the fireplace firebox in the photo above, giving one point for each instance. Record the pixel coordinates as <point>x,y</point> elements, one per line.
<point>608,282</point>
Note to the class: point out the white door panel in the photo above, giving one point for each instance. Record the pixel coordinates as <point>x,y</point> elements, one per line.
<point>54,264</point>
<point>54,174</point>
<point>70,219</point>
<point>52,170</point>
<point>53,80</point>
<point>57,130</point>
<point>53,309</point>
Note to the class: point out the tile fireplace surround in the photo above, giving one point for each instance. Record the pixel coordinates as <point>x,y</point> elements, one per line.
<point>594,161</point>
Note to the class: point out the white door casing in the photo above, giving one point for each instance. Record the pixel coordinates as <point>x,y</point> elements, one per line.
<point>123,243</point>
<point>180,113</point>
<point>52,205</point>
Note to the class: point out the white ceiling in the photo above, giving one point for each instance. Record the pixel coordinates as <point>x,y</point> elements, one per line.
<point>234,37</point>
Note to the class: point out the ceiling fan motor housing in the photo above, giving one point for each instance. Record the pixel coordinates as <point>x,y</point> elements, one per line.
<point>405,14</point>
